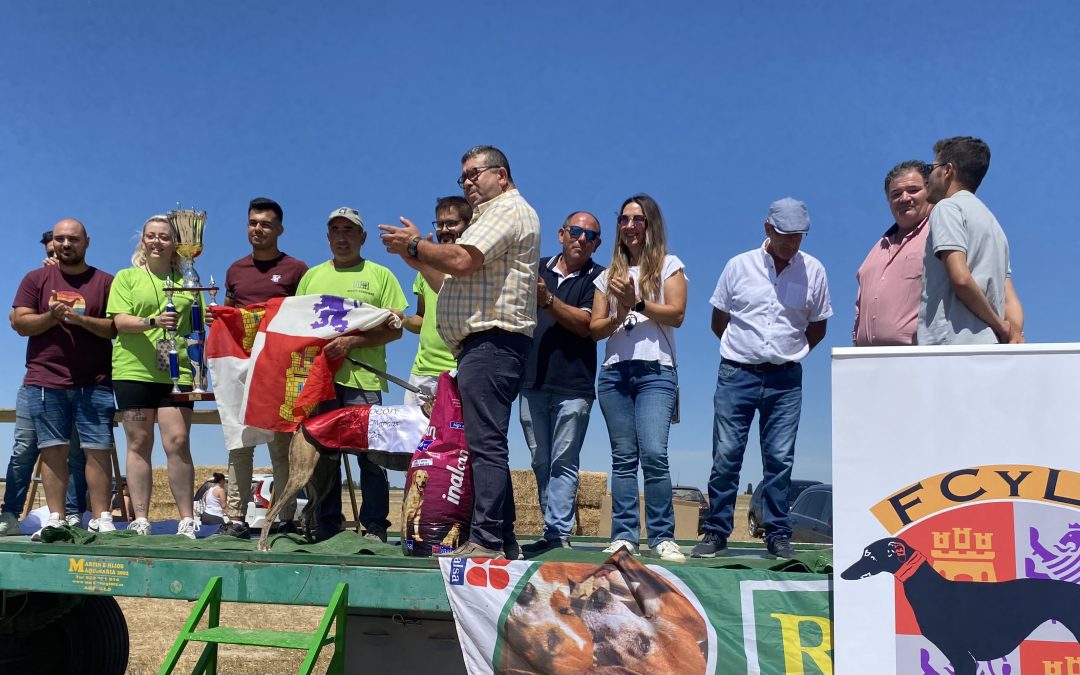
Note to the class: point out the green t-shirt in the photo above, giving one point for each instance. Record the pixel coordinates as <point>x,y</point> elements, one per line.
<point>367,282</point>
<point>139,292</point>
<point>433,357</point>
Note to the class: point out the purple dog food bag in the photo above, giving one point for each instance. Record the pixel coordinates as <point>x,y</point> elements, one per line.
<point>437,507</point>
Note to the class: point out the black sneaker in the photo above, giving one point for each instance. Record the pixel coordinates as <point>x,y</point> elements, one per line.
<point>545,545</point>
<point>288,527</point>
<point>780,547</point>
<point>512,550</point>
<point>710,546</point>
<point>374,534</point>
<point>234,528</point>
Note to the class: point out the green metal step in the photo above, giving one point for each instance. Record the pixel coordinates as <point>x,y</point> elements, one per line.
<point>254,637</point>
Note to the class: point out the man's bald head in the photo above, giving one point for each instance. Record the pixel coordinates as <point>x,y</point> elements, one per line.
<point>70,242</point>
<point>70,225</point>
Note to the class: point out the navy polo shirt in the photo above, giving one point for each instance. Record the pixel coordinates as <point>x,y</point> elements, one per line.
<point>561,362</point>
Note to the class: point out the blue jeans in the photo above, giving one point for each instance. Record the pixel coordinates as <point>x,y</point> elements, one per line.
<point>491,365</point>
<point>777,398</point>
<point>554,426</point>
<point>24,454</point>
<point>637,399</point>
<point>374,486</point>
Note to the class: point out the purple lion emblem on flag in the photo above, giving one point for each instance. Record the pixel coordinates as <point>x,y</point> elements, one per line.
<point>331,311</point>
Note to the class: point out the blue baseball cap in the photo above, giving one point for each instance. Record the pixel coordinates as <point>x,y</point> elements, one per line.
<point>788,216</point>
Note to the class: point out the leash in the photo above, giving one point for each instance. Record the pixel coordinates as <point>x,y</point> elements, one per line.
<point>386,376</point>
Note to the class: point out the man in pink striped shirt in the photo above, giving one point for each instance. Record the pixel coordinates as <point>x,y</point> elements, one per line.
<point>890,279</point>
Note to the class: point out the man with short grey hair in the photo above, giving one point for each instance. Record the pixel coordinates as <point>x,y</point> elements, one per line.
<point>487,313</point>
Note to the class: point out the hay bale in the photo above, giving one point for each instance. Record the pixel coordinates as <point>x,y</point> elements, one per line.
<point>588,523</point>
<point>592,486</point>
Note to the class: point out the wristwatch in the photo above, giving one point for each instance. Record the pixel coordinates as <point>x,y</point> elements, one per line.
<point>413,244</point>
<point>152,322</point>
<point>551,299</point>
<point>640,306</point>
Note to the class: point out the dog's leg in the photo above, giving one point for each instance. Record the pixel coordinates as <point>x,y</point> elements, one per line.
<point>302,459</point>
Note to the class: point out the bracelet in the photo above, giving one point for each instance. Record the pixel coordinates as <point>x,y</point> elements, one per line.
<point>551,301</point>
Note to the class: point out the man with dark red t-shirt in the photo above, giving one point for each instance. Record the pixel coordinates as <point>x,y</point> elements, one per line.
<point>266,273</point>
<point>68,383</point>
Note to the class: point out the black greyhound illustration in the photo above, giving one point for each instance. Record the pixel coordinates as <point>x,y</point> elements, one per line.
<point>970,621</point>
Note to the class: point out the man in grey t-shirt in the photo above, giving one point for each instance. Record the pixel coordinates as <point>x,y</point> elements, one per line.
<point>967,254</point>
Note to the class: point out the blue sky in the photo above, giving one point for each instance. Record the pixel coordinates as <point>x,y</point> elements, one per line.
<point>111,112</point>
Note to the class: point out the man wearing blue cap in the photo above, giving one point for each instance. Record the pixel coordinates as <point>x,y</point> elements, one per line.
<point>770,307</point>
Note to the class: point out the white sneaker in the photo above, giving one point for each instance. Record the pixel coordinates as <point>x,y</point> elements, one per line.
<point>187,527</point>
<point>72,520</point>
<point>9,524</point>
<point>669,551</point>
<point>54,521</point>
<point>139,526</point>
<point>621,544</point>
<point>102,524</point>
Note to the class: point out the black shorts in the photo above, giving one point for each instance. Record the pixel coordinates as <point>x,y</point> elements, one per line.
<point>151,395</point>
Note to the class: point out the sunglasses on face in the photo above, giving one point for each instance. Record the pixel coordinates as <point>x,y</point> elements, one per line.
<point>574,231</point>
<point>637,220</point>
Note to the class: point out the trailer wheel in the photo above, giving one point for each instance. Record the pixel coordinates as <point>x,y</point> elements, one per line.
<point>89,639</point>
<point>103,648</point>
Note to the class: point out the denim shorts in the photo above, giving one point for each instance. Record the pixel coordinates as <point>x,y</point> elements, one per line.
<point>90,410</point>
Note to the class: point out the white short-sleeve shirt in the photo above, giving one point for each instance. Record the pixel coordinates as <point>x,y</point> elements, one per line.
<point>647,340</point>
<point>770,312</point>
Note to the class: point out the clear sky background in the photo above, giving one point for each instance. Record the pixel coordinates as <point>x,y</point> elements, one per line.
<point>111,112</point>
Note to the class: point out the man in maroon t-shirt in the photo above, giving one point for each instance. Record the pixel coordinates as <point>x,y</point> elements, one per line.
<point>266,273</point>
<point>61,309</point>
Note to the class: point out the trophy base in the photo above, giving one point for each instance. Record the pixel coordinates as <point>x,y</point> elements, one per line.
<point>188,396</point>
<point>201,289</point>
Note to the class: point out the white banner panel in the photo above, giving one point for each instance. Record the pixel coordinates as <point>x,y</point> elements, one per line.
<point>956,501</point>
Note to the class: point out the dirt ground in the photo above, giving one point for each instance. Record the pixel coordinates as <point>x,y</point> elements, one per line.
<point>154,624</point>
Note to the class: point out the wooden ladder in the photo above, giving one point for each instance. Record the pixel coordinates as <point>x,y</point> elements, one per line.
<point>214,635</point>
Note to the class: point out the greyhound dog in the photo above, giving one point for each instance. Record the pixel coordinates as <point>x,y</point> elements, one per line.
<point>970,621</point>
<point>315,469</point>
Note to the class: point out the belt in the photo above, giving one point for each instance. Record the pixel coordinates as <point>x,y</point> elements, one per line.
<point>760,367</point>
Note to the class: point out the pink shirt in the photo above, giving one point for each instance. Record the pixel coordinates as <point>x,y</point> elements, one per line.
<point>890,283</point>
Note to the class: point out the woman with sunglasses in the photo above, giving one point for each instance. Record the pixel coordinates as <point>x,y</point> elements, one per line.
<point>140,367</point>
<point>639,302</point>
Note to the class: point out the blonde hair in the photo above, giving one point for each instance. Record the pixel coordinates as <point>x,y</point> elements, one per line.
<point>138,258</point>
<point>651,262</point>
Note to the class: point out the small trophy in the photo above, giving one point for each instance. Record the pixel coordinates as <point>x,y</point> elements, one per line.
<point>189,225</point>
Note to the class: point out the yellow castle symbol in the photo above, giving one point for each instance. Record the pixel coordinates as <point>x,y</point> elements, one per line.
<point>295,377</point>
<point>962,555</point>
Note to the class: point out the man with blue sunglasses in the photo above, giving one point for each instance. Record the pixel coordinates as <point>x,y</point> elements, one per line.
<point>558,390</point>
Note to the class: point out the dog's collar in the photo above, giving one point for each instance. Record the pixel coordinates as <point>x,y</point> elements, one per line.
<point>909,567</point>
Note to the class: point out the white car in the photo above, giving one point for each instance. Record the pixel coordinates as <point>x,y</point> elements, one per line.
<point>262,485</point>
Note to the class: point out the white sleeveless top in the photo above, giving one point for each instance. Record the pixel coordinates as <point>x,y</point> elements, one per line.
<point>213,504</point>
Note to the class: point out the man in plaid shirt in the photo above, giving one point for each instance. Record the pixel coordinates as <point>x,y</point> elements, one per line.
<point>487,312</point>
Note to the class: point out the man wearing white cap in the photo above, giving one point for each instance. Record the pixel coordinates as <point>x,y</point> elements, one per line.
<point>348,275</point>
<point>770,307</point>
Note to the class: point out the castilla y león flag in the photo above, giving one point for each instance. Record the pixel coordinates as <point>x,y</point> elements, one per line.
<point>272,378</point>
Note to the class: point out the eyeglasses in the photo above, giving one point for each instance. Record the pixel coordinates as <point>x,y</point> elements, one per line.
<point>935,165</point>
<point>163,238</point>
<point>439,224</point>
<point>574,231</point>
<point>637,220</point>
<point>472,174</point>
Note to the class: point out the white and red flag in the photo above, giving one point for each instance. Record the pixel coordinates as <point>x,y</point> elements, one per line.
<point>271,379</point>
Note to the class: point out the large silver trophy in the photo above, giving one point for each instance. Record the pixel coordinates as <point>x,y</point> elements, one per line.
<point>189,225</point>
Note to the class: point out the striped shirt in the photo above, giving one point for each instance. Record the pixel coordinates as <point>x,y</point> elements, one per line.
<point>502,293</point>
